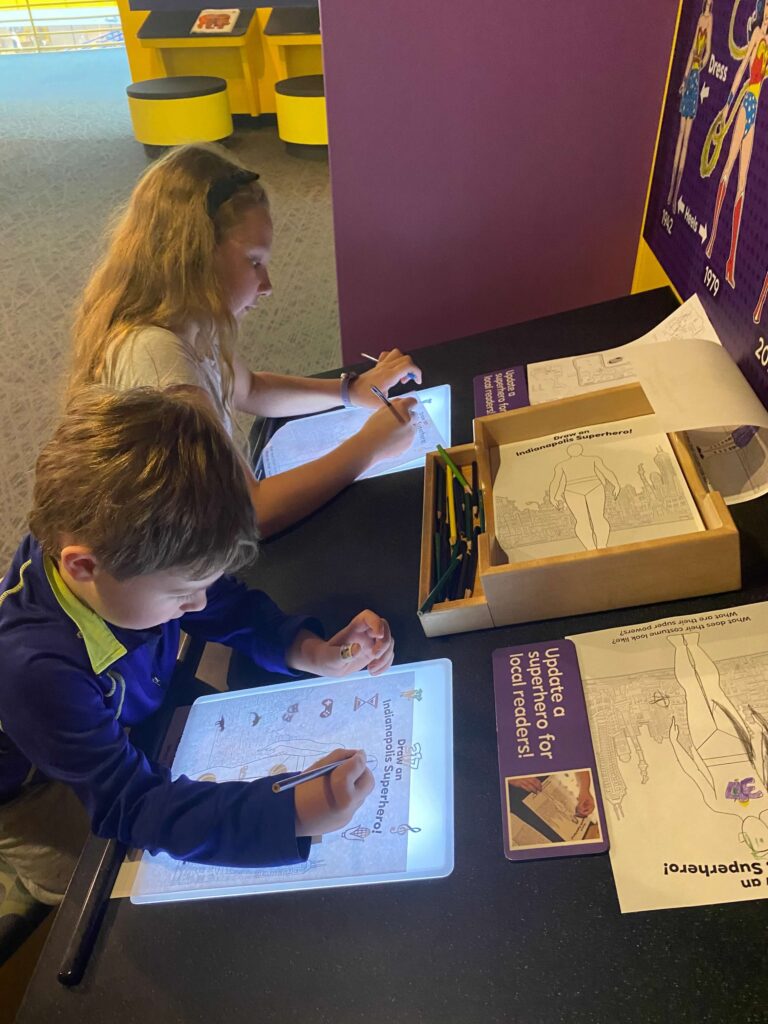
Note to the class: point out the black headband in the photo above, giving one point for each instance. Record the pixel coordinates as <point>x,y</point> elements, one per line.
<point>223,189</point>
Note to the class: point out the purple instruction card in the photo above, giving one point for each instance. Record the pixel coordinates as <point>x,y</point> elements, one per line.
<point>550,796</point>
<point>500,391</point>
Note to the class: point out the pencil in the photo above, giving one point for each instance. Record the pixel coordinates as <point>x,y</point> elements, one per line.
<point>461,590</point>
<point>307,776</point>
<point>454,469</point>
<point>451,504</point>
<point>468,517</point>
<point>408,376</point>
<point>472,570</point>
<point>439,493</point>
<point>430,600</point>
<point>386,401</point>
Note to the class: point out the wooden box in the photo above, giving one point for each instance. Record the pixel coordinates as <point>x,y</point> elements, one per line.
<point>645,572</point>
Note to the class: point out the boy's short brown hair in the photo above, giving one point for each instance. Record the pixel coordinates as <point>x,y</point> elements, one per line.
<point>149,480</point>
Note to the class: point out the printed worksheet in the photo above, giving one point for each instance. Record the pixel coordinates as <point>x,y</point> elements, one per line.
<point>588,489</point>
<point>402,719</point>
<point>693,384</point>
<point>576,375</point>
<point>678,710</point>
<point>303,440</point>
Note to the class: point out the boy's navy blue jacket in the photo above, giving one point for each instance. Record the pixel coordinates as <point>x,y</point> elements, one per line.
<point>70,684</point>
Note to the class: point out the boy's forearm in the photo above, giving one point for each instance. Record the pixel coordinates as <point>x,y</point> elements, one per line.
<point>275,394</point>
<point>288,497</point>
<point>300,656</point>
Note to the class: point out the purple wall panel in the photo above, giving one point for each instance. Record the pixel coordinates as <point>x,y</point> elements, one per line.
<point>488,162</point>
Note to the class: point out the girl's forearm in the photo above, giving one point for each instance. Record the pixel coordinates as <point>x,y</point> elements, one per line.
<point>288,497</point>
<point>276,394</point>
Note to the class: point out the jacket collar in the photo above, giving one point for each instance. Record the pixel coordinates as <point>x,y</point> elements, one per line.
<point>103,647</point>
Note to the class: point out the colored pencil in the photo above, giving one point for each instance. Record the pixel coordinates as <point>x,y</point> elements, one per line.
<point>430,599</point>
<point>454,468</point>
<point>451,504</point>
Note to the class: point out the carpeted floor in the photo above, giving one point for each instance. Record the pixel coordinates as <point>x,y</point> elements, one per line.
<point>67,156</point>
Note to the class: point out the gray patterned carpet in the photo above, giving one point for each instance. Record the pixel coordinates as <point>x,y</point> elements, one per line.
<point>67,155</point>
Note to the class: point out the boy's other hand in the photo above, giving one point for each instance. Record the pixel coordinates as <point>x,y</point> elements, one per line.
<point>365,643</point>
<point>330,802</point>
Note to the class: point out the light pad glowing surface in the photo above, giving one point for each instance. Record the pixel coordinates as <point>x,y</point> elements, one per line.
<point>303,440</point>
<point>404,830</point>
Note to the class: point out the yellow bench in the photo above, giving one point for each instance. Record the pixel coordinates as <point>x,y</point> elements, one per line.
<point>172,111</point>
<point>301,115</point>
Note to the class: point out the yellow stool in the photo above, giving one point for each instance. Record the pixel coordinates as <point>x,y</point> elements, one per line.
<point>301,117</point>
<point>172,111</point>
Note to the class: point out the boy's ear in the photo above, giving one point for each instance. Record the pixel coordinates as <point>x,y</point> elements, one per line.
<point>79,562</point>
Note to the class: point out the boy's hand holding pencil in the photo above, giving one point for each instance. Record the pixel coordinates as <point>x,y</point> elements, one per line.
<point>329,802</point>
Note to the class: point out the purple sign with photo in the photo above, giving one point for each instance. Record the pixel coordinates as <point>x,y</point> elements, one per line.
<point>550,796</point>
<point>707,218</point>
<point>500,391</point>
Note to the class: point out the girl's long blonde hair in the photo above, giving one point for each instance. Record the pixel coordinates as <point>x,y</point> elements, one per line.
<point>159,268</point>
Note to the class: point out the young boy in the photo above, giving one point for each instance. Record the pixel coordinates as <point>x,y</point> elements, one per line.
<point>140,505</point>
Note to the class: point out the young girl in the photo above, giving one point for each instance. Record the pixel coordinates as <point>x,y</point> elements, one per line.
<point>186,260</point>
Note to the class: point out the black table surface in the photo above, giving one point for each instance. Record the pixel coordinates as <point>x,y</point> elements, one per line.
<point>527,943</point>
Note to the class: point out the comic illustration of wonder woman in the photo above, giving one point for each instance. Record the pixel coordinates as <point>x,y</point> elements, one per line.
<point>740,111</point>
<point>689,95</point>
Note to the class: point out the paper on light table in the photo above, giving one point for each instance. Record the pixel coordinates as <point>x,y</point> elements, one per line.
<point>300,441</point>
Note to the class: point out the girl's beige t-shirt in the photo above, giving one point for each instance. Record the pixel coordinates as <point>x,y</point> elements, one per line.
<point>156,357</point>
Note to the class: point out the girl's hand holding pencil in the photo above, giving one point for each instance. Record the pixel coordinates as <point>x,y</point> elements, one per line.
<point>387,435</point>
<point>391,368</point>
<point>329,802</point>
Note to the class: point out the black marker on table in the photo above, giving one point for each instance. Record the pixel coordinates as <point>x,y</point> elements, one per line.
<point>88,920</point>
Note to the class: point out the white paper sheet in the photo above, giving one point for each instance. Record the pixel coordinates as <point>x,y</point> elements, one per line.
<point>300,441</point>
<point>577,375</point>
<point>693,385</point>
<point>596,487</point>
<point>678,710</point>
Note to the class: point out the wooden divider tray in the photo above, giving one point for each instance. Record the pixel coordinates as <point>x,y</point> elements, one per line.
<point>665,569</point>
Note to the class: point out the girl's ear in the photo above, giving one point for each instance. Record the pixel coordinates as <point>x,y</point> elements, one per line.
<point>79,562</point>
